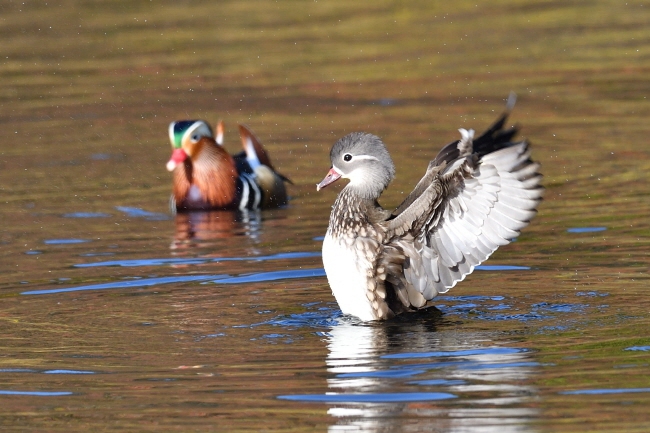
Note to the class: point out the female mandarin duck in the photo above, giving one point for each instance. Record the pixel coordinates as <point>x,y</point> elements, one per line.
<point>207,177</point>
<point>476,195</point>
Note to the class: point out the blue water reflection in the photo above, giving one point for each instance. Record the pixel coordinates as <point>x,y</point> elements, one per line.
<point>586,229</point>
<point>64,241</point>
<point>370,398</point>
<point>35,393</point>
<point>272,276</point>
<point>638,348</point>
<point>372,376</point>
<point>86,215</point>
<point>197,260</point>
<point>144,282</point>
<point>604,391</point>
<point>140,213</point>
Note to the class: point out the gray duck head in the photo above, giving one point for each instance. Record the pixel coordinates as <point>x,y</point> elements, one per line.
<point>363,159</point>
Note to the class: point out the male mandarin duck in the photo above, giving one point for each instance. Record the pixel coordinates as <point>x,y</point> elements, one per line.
<point>476,195</point>
<point>207,177</point>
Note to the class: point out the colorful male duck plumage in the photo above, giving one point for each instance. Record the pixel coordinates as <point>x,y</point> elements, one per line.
<point>476,195</point>
<point>207,177</point>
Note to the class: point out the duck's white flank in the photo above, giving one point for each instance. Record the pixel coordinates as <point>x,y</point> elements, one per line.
<point>346,279</point>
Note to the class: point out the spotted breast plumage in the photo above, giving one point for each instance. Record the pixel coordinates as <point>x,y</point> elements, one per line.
<point>476,195</point>
<point>207,177</point>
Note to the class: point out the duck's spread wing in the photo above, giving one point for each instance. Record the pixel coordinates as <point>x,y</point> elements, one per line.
<point>457,217</point>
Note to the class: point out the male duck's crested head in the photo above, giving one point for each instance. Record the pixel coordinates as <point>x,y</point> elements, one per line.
<point>184,135</point>
<point>363,159</point>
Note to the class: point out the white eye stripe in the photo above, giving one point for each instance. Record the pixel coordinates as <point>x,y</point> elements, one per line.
<point>369,157</point>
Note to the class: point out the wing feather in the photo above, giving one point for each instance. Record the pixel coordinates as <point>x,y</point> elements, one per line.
<point>469,209</point>
<point>475,196</point>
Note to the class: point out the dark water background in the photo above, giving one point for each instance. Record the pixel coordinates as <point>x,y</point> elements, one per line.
<point>115,315</point>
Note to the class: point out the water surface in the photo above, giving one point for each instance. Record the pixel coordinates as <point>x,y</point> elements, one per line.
<point>119,316</point>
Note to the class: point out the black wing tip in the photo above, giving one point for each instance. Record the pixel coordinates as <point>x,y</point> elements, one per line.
<point>497,136</point>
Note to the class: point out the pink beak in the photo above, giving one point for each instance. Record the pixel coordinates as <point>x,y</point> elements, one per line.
<point>332,176</point>
<point>178,156</point>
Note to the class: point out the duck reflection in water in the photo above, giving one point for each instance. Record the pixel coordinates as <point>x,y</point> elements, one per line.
<point>202,229</point>
<point>420,375</point>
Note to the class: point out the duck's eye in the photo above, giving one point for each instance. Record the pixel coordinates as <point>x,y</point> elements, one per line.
<point>195,138</point>
<point>347,157</point>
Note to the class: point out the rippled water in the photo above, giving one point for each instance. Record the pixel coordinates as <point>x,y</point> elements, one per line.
<point>116,315</point>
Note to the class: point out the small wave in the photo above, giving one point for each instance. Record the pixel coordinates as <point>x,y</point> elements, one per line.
<point>196,260</point>
<point>369,398</point>
<point>586,229</point>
